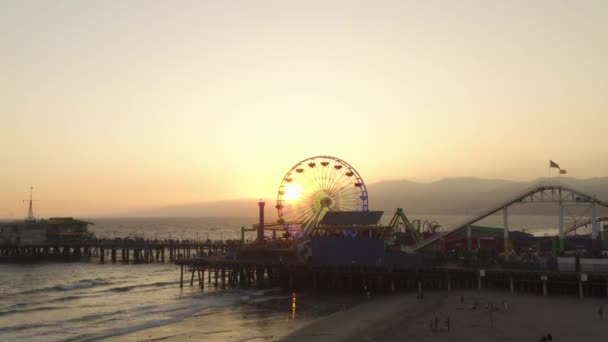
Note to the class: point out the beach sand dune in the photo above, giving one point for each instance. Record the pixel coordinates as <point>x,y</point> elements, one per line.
<point>402,317</point>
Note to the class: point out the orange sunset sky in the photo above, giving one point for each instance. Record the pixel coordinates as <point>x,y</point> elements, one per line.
<point>107,106</point>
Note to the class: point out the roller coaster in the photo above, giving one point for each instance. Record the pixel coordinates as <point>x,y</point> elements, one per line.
<point>539,193</point>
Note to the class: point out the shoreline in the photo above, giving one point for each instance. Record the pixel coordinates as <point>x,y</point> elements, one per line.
<point>402,317</point>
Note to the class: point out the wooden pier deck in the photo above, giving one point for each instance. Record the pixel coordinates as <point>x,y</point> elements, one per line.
<point>117,251</point>
<point>219,271</point>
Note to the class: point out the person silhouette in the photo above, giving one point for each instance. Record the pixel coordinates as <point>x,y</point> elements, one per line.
<point>601,312</point>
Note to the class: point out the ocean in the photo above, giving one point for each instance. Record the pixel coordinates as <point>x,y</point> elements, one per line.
<point>89,301</point>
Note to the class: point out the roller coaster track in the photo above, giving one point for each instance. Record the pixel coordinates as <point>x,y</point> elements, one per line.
<point>584,223</point>
<point>539,193</point>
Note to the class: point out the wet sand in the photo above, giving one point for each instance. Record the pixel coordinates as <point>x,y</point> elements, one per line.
<point>404,318</point>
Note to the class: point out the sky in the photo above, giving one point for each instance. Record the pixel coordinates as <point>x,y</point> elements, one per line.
<point>107,106</point>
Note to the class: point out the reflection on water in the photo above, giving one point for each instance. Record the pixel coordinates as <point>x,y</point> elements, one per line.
<point>293,305</point>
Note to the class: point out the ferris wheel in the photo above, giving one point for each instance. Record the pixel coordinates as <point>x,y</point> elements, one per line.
<point>315,186</point>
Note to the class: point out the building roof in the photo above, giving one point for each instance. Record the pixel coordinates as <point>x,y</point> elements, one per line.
<point>351,218</point>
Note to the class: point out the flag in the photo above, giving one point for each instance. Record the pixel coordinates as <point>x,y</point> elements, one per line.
<point>562,172</point>
<point>553,164</point>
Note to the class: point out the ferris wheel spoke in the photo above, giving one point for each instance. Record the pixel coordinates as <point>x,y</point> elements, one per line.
<point>315,177</point>
<point>303,209</point>
<point>309,197</point>
<point>310,181</point>
<point>303,217</point>
<point>344,191</point>
<point>321,177</point>
<point>337,178</point>
<point>347,197</point>
<point>346,200</point>
<point>327,172</point>
<point>339,182</point>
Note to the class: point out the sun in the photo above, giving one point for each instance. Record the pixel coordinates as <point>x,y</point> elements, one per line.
<point>293,191</point>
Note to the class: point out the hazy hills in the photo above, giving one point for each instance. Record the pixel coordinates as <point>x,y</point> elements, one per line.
<point>466,196</point>
<point>450,196</point>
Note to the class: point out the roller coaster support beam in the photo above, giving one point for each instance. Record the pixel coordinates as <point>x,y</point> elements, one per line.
<point>595,227</point>
<point>469,238</point>
<point>561,222</point>
<point>505,217</point>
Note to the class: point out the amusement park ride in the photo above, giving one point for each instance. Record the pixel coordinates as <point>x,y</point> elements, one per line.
<point>325,196</point>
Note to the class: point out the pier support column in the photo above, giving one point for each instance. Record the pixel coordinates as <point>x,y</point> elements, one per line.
<point>595,229</point>
<point>102,255</point>
<point>420,292</point>
<point>192,276</point>
<point>561,222</point>
<point>260,237</point>
<point>181,277</point>
<point>468,237</point>
<point>449,284</point>
<point>580,289</point>
<point>543,278</point>
<point>511,285</point>
<point>505,218</point>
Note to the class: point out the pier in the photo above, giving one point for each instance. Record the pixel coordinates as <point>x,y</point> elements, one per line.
<point>221,272</point>
<point>136,251</point>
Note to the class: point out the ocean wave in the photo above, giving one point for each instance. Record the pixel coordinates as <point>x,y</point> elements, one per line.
<point>87,318</point>
<point>173,313</point>
<point>18,311</point>
<point>80,284</point>
<point>131,287</point>
<point>27,327</point>
<point>155,315</point>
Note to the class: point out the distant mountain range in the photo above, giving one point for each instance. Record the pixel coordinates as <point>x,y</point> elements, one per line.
<point>450,196</point>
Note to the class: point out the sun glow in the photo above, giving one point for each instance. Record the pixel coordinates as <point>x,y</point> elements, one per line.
<point>293,191</point>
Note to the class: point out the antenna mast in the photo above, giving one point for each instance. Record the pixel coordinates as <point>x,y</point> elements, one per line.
<point>30,211</point>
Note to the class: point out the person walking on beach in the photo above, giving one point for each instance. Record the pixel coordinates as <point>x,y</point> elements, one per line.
<point>601,312</point>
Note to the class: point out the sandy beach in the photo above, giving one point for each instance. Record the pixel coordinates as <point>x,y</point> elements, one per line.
<point>402,317</point>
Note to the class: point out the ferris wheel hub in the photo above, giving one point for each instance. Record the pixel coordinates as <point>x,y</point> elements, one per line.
<point>326,202</point>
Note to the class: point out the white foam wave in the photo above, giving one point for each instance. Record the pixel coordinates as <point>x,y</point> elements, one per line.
<point>188,306</point>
